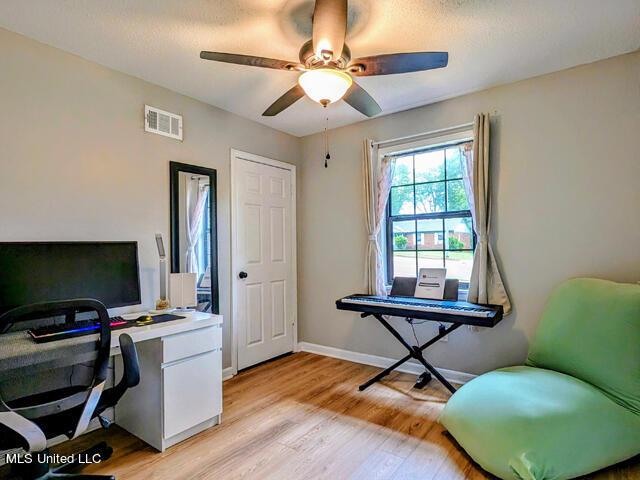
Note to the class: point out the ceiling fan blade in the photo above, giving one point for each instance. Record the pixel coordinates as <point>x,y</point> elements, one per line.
<point>329,26</point>
<point>250,60</point>
<point>285,101</point>
<point>359,99</point>
<point>397,63</point>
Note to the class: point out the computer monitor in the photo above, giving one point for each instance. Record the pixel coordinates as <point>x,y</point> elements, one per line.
<point>32,272</point>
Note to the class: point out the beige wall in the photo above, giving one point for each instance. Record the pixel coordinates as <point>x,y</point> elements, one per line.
<point>566,172</point>
<point>75,162</point>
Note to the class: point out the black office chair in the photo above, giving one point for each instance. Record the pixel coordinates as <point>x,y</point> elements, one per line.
<point>29,422</point>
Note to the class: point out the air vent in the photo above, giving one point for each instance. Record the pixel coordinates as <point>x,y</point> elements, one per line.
<point>163,123</point>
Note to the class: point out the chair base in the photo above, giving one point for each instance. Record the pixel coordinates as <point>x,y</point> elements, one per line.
<point>40,469</point>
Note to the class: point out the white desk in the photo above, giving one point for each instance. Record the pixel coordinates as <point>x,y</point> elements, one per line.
<point>180,390</point>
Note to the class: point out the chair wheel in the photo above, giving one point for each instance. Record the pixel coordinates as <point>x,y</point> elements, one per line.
<point>104,450</point>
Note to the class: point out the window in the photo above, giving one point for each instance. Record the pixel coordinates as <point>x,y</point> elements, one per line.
<point>428,218</point>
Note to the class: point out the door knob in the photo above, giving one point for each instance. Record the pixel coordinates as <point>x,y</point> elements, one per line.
<point>243,275</point>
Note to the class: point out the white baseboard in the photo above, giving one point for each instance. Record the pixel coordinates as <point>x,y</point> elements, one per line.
<point>227,373</point>
<point>381,362</point>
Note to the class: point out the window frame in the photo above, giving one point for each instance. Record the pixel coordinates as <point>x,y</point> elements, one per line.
<point>389,218</point>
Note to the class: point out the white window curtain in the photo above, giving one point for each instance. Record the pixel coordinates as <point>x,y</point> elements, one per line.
<point>485,285</point>
<point>196,201</point>
<point>376,193</point>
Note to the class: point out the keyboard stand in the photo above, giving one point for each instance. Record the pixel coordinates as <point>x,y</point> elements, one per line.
<point>414,352</point>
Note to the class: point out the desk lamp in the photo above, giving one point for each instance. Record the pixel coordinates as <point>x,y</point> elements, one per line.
<point>162,303</point>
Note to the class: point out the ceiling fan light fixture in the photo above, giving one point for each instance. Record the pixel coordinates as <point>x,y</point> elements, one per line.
<point>325,85</point>
<point>328,67</point>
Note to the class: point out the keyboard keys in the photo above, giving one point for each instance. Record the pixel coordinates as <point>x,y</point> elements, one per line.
<point>422,305</point>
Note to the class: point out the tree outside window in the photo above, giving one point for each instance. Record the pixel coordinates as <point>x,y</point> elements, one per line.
<point>428,217</point>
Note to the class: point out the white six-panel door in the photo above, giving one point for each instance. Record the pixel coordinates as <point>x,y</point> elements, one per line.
<point>264,267</point>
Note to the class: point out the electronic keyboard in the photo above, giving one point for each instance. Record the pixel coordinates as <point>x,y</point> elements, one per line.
<point>421,308</point>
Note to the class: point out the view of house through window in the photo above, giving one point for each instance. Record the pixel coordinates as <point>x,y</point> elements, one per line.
<point>428,218</point>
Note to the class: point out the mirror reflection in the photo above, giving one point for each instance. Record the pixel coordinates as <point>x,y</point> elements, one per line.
<point>193,245</point>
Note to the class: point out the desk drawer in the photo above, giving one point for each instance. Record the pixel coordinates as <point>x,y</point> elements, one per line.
<point>183,345</point>
<point>192,392</point>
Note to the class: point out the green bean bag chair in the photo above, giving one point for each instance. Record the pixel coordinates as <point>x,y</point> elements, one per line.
<point>575,407</point>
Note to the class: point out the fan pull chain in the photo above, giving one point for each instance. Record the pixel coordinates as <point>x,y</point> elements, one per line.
<point>326,143</point>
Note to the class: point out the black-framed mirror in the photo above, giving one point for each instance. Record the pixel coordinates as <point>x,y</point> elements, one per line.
<point>194,246</point>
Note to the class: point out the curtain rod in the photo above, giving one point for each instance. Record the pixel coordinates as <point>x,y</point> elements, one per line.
<point>421,136</point>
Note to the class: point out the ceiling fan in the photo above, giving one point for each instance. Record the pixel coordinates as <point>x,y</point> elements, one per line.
<point>326,64</point>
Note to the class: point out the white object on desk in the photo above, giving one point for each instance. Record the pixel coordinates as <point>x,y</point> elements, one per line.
<point>182,290</point>
<point>430,283</point>
<point>180,390</point>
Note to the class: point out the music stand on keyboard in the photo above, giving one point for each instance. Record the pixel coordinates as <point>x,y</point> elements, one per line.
<point>406,287</point>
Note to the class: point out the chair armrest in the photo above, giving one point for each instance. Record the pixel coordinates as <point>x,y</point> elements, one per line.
<point>34,438</point>
<point>131,375</point>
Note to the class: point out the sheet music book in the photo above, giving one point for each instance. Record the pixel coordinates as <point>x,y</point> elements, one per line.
<point>430,283</point>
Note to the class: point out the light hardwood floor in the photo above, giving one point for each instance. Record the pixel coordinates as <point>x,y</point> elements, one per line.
<point>302,417</point>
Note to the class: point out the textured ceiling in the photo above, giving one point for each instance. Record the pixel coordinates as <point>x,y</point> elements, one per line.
<point>490,42</point>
